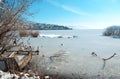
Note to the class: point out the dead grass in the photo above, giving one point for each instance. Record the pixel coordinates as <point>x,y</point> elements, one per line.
<point>34,34</point>
<point>23,33</point>
<point>26,33</point>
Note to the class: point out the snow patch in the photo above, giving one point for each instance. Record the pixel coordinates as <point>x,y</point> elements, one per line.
<point>56,36</point>
<point>8,75</point>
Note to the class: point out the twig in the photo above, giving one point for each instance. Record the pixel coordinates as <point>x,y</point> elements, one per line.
<point>109,57</point>
<point>105,59</point>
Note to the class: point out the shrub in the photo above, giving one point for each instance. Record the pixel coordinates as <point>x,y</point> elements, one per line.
<point>112,31</point>
<point>23,33</point>
<point>34,34</point>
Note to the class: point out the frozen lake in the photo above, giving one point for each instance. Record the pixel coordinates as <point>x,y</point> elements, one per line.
<point>87,41</point>
<point>78,51</point>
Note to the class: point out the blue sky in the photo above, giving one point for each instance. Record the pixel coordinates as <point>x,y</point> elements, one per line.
<point>82,14</point>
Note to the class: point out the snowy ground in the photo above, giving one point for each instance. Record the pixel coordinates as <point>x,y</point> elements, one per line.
<point>7,75</point>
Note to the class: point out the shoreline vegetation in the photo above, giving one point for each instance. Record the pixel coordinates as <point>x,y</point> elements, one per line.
<point>26,33</point>
<point>113,31</point>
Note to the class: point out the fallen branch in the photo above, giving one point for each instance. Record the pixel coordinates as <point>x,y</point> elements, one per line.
<point>105,59</point>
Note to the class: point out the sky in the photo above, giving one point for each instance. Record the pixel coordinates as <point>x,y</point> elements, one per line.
<point>78,14</point>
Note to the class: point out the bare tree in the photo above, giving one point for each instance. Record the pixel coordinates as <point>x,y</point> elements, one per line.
<point>11,15</point>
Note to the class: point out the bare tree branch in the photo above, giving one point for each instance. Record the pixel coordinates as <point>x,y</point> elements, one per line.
<point>105,59</point>
<point>11,13</point>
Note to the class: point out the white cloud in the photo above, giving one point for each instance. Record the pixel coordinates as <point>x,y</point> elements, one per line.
<point>68,8</point>
<point>74,10</point>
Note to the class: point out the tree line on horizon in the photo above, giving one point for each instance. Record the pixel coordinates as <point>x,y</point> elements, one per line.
<point>45,26</point>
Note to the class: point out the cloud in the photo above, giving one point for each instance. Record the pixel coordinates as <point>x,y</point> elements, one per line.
<point>74,10</point>
<point>68,8</point>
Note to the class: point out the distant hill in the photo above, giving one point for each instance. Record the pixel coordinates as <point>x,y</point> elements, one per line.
<point>43,26</point>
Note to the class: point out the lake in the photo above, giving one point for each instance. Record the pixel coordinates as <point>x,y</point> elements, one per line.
<point>86,42</point>
<point>77,45</point>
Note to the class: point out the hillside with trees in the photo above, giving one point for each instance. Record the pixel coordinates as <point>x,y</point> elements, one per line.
<point>44,26</point>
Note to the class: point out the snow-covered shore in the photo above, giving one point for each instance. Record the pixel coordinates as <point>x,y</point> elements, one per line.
<point>8,75</point>
<point>57,36</point>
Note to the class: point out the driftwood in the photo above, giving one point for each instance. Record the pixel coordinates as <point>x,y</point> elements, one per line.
<point>105,59</point>
<point>36,52</point>
<point>25,61</point>
<point>12,62</point>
